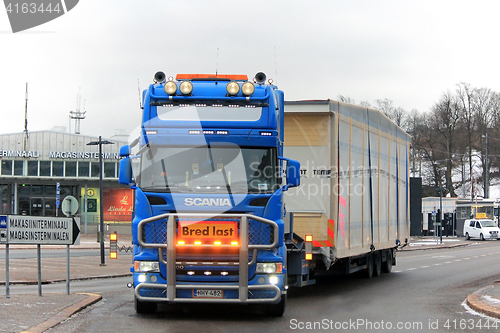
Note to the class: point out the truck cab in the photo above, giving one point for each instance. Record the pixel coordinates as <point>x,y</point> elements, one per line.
<point>209,174</point>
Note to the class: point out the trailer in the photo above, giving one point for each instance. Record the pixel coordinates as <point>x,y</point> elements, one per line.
<point>353,202</point>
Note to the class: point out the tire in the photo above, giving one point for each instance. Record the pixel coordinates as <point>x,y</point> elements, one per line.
<point>387,265</point>
<point>369,266</point>
<point>467,237</point>
<point>277,310</point>
<point>377,263</point>
<point>481,237</point>
<point>144,307</point>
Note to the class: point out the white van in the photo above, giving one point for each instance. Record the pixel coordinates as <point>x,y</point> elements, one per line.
<point>482,229</point>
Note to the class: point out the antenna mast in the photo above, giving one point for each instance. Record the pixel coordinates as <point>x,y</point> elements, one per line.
<point>78,114</point>
<point>26,138</point>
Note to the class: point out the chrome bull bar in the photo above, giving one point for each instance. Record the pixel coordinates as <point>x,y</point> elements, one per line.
<point>244,248</point>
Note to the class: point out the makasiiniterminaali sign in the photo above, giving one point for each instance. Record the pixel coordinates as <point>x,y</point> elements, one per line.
<point>42,230</point>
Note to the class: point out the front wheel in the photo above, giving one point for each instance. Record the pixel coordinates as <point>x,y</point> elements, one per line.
<point>144,307</point>
<point>277,310</point>
<point>481,237</point>
<point>467,237</point>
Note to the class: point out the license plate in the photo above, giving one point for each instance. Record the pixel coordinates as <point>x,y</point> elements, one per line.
<point>207,293</point>
<point>203,230</point>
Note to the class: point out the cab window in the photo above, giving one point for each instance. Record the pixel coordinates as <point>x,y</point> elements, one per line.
<point>472,223</point>
<point>478,225</point>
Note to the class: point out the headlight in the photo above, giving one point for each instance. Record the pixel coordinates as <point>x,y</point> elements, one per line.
<point>170,87</point>
<point>186,87</point>
<point>146,266</point>
<point>233,88</point>
<point>269,267</point>
<point>247,88</point>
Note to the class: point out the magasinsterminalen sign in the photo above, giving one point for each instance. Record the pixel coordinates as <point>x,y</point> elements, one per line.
<point>20,229</point>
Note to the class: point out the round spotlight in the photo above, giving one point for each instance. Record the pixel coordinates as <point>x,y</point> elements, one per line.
<point>247,88</point>
<point>186,87</point>
<point>233,88</point>
<point>170,88</point>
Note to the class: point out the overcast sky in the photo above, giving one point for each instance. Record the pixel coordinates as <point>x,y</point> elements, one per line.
<point>407,51</point>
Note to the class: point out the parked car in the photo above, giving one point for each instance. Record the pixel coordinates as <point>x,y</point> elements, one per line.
<point>482,229</point>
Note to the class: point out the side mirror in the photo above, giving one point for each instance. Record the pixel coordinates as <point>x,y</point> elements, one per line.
<point>292,173</point>
<point>125,176</point>
<point>125,151</point>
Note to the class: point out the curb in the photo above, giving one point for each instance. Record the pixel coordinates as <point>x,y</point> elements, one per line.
<point>65,314</point>
<point>477,305</point>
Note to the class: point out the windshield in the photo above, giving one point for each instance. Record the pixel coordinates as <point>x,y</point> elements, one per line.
<point>488,223</point>
<point>221,169</point>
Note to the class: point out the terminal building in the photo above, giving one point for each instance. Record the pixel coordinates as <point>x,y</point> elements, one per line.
<point>33,165</point>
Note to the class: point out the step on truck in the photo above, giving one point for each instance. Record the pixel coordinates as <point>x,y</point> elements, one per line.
<point>219,216</point>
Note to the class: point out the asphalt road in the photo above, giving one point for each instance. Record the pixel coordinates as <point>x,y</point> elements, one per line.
<point>424,293</point>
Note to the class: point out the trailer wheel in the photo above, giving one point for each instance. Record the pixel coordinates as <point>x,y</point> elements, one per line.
<point>144,307</point>
<point>377,263</point>
<point>369,266</point>
<point>387,265</point>
<point>277,310</point>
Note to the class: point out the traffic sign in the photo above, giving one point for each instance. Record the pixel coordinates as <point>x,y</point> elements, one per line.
<point>58,195</point>
<point>69,205</point>
<point>42,230</point>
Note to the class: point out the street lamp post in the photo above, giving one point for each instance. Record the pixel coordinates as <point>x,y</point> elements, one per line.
<point>101,206</point>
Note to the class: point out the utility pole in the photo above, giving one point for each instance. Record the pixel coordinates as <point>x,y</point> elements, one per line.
<point>486,185</point>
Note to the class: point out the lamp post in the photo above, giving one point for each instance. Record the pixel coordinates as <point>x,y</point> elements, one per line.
<point>101,207</point>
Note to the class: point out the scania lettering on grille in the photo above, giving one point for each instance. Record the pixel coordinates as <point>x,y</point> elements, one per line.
<point>207,202</point>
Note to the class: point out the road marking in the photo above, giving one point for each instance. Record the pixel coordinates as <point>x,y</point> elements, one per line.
<point>437,264</point>
<point>457,260</point>
<point>424,267</point>
<point>411,269</point>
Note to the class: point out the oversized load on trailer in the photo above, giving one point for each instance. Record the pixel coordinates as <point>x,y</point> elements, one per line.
<point>354,195</point>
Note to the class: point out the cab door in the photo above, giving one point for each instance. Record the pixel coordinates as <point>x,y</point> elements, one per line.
<point>477,229</point>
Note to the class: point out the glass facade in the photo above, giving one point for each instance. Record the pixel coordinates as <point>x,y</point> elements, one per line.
<point>58,169</point>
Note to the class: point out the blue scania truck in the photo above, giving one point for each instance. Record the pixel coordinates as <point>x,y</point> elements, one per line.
<point>219,216</point>
<point>207,170</point>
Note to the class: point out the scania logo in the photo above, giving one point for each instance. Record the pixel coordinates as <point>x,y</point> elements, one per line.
<point>207,202</point>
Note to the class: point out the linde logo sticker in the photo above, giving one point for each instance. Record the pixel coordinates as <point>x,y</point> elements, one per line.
<point>26,14</point>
